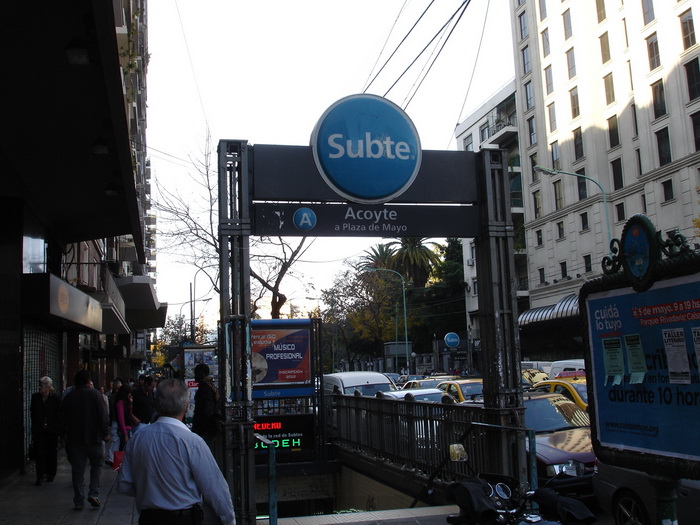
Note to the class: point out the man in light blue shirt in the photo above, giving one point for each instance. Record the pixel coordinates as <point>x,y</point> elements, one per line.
<point>171,470</point>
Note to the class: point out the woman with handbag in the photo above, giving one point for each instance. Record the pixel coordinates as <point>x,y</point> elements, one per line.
<point>45,408</point>
<point>123,414</point>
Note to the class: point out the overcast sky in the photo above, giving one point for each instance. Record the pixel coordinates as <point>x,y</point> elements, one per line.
<point>266,70</point>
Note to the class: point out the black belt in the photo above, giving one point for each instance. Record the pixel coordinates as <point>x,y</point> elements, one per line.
<point>193,515</point>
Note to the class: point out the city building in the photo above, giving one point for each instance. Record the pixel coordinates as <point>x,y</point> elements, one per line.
<point>608,104</point>
<point>78,239</point>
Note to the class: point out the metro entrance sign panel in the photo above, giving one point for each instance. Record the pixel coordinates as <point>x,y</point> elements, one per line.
<point>366,149</point>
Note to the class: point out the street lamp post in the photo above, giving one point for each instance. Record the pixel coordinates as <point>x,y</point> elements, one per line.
<point>403,290</point>
<point>550,171</point>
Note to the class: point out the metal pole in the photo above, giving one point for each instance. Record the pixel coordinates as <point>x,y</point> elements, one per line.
<point>550,171</point>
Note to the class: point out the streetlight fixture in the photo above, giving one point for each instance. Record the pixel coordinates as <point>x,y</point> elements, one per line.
<point>551,172</point>
<point>403,290</point>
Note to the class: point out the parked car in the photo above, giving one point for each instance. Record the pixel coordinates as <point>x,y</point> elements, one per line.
<point>364,383</point>
<point>393,376</point>
<point>565,457</point>
<point>405,378</point>
<point>463,389</point>
<point>433,395</point>
<point>430,382</point>
<point>530,376</point>
<point>566,365</point>
<point>631,500</point>
<point>575,389</point>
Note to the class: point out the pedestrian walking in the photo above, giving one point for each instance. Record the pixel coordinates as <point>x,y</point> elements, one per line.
<point>84,425</point>
<point>144,404</point>
<point>123,415</point>
<point>170,470</point>
<point>206,406</point>
<point>45,410</point>
<point>113,444</point>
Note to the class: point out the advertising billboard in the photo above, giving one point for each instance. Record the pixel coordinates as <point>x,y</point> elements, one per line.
<point>281,356</point>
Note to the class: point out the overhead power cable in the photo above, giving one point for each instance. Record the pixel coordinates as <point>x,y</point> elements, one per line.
<point>426,46</point>
<point>398,46</point>
<point>444,42</point>
<point>384,46</point>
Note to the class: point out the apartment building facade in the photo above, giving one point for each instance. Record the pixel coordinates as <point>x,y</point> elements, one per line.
<point>608,102</point>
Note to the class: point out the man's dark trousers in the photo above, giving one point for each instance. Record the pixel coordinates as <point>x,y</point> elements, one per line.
<point>78,456</point>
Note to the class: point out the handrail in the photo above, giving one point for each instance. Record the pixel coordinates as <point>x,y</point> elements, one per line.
<point>272,481</point>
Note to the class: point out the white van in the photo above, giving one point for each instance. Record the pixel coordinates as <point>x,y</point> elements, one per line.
<point>567,365</point>
<point>366,383</point>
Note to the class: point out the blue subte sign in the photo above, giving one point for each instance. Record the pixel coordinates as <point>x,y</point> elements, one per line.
<point>366,149</point>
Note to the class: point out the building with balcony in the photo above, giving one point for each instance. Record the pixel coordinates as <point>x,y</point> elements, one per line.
<point>78,243</point>
<point>607,93</point>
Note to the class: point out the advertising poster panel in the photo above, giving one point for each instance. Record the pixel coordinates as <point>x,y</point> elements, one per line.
<point>281,358</point>
<point>645,350</point>
<point>292,435</point>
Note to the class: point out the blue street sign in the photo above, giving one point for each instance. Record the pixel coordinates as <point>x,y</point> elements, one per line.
<point>366,149</point>
<point>451,339</point>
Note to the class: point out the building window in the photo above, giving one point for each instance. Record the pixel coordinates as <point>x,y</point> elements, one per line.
<point>571,62</point>
<point>695,119</point>
<point>552,117</point>
<point>581,184</point>
<point>600,9</point>
<point>548,79</point>
<point>653,52</point>
<point>644,204</point>
<point>629,74</point>
<point>635,123</point>
<point>624,30</point>
<point>620,211</point>
<point>584,221</point>
<point>648,10</point>
<point>659,97</point>
<point>533,163</point>
<point>540,271</point>
<point>527,65</point>
<point>578,144</point>
<point>604,47</point>
<point>560,230</point>
<point>538,238</point>
<point>484,132</point>
<point>613,132</point>
<point>475,287</point>
<point>537,204</point>
<point>609,88</point>
<point>529,96</point>
<point>558,195</point>
<point>616,167</point>
<point>687,29</point>
<point>692,73</point>
<point>663,143</point>
<point>587,264</point>
<point>522,21</point>
<point>545,42</point>
<point>566,17</point>
<point>562,268</point>
<point>639,161</point>
<point>531,130</point>
<point>543,9</point>
<point>556,159</point>
<point>667,187</point>
<point>575,109</point>
<point>469,143</point>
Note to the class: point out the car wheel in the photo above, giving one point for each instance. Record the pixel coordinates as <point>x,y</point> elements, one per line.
<point>628,509</point>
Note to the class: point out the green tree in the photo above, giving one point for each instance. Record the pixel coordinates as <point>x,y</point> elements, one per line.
<point>415,257</point>
<point>379,256</point>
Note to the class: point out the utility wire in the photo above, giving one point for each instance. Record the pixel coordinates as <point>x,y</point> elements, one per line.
<point>400,44</point>
<point>466,4</point>
<point>364,88</point>
<point>426,47</point>
<point>189,57</point>
<point>471,77</point>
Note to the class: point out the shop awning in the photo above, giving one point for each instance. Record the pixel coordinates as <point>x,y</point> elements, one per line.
<point>566,308</point>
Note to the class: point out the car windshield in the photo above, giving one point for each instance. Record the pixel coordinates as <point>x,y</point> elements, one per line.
<point>368,390</point>
<point>547,414</point>
<point>471,389</point>
<point>582,390</point>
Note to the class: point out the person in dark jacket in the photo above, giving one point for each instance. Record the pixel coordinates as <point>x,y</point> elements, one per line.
<point>84,425</point>
<point>144,402</point>
<point>45,410</point>
<point>206,400</point>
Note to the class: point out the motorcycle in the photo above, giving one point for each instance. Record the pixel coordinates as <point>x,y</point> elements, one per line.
<point>494,499</point>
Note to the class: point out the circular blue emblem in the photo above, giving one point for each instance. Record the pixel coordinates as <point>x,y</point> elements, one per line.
<point>366,149</point>
<point>304,219</point>
<point>451,339</point>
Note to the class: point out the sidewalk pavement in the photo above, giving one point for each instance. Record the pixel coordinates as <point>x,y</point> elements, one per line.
<point>23,503</point>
